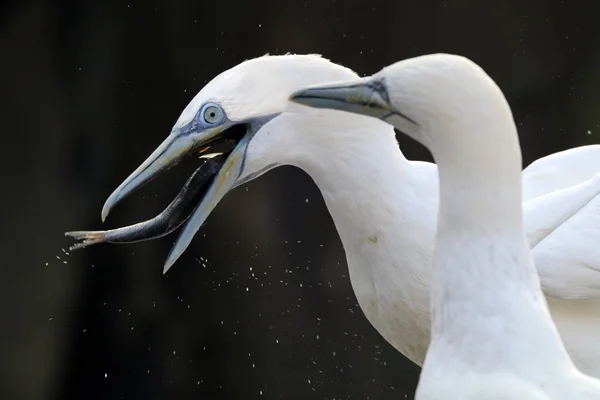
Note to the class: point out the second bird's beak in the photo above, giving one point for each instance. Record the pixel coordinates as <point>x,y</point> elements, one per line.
<point>367,97</point>
<point>172,150</point>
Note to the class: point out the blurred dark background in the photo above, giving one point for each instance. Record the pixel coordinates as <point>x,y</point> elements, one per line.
<point>260,305</point>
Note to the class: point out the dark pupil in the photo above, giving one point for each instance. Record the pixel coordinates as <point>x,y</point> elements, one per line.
<point>211,115</point>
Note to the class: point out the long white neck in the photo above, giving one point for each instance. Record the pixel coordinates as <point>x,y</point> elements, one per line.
<point>358,167</point>
<point>376,200</point>
<point>487,304</point>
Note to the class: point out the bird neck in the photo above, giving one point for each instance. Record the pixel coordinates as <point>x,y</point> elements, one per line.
<point>485,292</point>
<point>367,185</point>
<point>359,171</point>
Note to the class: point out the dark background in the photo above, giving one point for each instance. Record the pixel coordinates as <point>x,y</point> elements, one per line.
<point>260,305</point>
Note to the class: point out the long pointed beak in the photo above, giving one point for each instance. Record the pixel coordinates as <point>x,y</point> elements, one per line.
<point>171,151</point>
<point>367,96</point>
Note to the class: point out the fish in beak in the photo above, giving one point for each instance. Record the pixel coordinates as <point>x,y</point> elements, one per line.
<point>178,145</point>
<point>172,217</point>
<point>208,128</point>
<point>201,193</point>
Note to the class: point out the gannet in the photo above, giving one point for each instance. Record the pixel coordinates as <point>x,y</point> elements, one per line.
<point>384,206</point>
<point>492,333</point>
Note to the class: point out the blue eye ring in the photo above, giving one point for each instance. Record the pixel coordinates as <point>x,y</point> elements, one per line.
<point>211,114</point>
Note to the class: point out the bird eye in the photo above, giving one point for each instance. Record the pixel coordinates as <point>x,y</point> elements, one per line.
<point>212,114</point>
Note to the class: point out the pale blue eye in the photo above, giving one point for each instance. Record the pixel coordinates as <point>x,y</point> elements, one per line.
<point>212,114</point>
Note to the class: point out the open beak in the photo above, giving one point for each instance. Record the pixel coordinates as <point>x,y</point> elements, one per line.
<point>172,150</point>
<point>366,96</point>
<point>224,181</point>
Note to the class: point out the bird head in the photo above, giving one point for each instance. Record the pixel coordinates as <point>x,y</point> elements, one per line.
<point>246,106</point>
